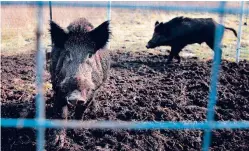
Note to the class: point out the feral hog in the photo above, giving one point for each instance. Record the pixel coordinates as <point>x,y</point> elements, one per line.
<point>79,66</point>
<point>180,31</point>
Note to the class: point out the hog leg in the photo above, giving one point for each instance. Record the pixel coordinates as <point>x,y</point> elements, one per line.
<point>79,110</point>
<point>211,45</point>
<point>58,135</point>
<point>174,53</point>
<point>178,58</point>
<point>170,57</point>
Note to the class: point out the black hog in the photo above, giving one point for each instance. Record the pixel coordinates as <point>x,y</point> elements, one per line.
<point>79,66</point>
<point>180,31</point>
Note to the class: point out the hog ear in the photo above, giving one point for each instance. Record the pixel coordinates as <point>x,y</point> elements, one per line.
<point>58,35</point>
<point>160,27</point>
<point>100,35</point>
<point>156,23</point>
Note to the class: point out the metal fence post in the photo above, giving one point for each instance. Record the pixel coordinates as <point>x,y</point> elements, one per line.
<point>48,53</point>
<point>214,79</point>
<point>240,31</point>
<point>109,18</point>
<point>246,12</point>
<point>40,105</point>
<point>50,9</point>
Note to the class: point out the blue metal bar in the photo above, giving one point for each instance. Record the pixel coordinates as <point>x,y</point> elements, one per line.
<point>130,6</point>
<point>50,10</point>
<point>240,31</point>
<point>34,123</point>
<point>109,10</point>
<point>40,55</point>
<point>214,78</point>
<point>109,17</point>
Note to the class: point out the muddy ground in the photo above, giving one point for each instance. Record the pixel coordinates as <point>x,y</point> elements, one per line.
<point>141,87</point>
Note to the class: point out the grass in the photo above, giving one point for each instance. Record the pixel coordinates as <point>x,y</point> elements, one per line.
<point>131,28</point>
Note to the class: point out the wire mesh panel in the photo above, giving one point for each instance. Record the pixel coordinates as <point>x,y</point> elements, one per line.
<point>40,123</point>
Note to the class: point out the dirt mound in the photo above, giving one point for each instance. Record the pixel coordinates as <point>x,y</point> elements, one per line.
<point>141,87</point>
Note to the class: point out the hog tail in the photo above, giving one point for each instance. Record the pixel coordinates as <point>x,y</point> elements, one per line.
<point>235,33</point>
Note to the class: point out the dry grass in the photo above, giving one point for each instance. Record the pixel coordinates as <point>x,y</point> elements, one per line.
<point>131,28</point>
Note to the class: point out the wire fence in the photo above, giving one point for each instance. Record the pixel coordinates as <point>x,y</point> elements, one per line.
<point>40,123</point>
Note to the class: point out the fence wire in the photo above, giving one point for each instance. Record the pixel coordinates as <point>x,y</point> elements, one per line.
<point>40,58</point>
<point>214,78</point>
<point>239,33</point>
<point>40,123</point>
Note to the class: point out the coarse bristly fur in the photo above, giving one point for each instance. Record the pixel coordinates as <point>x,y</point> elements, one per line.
<point>182,31</point>
<point>81,26</point>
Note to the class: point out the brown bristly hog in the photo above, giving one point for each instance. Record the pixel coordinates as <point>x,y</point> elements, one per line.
<point>80,64</point>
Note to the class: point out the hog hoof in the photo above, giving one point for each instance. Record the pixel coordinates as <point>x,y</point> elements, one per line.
<point>60,140</point>
<point>57,141</point>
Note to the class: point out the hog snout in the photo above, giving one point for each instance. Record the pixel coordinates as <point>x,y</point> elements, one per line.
<point>75,97</point>
<point>150,45</point>
<point>76,89</point>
